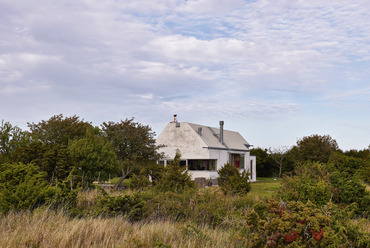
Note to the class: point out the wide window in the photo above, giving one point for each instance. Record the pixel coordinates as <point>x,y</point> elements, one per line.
<point>202,164</point>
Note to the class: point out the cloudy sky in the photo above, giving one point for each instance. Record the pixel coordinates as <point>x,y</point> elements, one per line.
<point>274,70</point>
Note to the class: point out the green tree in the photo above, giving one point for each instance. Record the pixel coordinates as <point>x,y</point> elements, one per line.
<point>59,130</point>
<point>49,146</point>
<point>264,162</point>
<point>133,143</point>
<point>11,139</point>
<point>278,155</point>
<point>51,158</point>
<point>22,186</point>
<point>175,178</point>
<point>315,148</point>
<point>92,158</point>
<point>232,181</point>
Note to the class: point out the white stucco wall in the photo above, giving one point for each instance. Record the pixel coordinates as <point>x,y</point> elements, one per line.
<point>183,138</point>
<point>205,174</point>
<point>253,167</point>
<point>222,157</point>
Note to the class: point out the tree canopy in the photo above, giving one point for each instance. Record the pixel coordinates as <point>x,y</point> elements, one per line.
<point>133,143</point>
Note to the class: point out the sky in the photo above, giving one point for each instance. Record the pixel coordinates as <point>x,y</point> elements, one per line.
<point>275,71</point>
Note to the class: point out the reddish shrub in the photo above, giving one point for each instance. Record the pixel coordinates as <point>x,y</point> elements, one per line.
<point>317,235</point>
<point>291,237</point>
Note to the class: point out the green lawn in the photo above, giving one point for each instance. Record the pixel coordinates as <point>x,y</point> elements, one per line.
<point>265,186</point>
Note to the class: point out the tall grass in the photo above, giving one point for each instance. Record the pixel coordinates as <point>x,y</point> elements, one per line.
<point>45,228</point>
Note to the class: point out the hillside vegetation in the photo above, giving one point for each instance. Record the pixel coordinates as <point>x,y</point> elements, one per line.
<point>48,198</point>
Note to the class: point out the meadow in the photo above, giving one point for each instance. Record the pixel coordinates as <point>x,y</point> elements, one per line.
<point>207,218</point>
<point>45,227</point>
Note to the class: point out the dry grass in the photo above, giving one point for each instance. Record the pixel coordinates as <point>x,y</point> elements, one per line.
<point>44,228</point>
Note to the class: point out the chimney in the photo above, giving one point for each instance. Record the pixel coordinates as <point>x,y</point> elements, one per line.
<point>200,131</point>
<point>222,132</point>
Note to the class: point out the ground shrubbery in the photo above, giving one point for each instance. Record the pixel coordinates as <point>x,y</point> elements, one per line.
<point>22,186</point>
<point>232,181</point>
<point>297,224</point>
<point>321,183</point>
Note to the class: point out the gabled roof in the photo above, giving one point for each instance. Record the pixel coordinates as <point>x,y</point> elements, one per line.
<point>210,135</point>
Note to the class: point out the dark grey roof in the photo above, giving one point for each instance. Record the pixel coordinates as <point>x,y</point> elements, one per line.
<point>210,135</point>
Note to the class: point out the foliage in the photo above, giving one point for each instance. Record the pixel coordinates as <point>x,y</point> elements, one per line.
<point>129,205</point>
<point>297,224</point>
<point>51,158</point>
<point>310,181</point>
<point>59,130</point>
<point>207,206</point>
<point>232,181</point>
<point>348,190</point>
<point>22,186</point>
<point>264,163</point>
<point>278,155</point>
<point>315,148</point>
<point>139,181</point>
<point>133,143</point>
<point>351,166</point>
<point>92,158</point>
<point>363,154</point>
<point>11,138</point>
<point>175,178</point>
<point>321,183</point>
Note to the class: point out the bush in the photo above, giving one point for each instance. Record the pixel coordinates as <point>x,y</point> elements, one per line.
<point>348,189</point>
<point>139,181</point>
<point>175,178</point>
<point>232,181</point>
<point>297,224</point>
<point>22,186</point>
<point>310,182</point>
<point>129,205</point>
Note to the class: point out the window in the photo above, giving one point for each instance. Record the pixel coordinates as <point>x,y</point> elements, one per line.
<point>237,160</point>
<point>202,164</point>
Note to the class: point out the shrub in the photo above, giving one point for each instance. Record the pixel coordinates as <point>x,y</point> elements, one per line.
<point>232,181</point>
<point>139,181</point>
<point>129,205</point>
<point>22,186</point>
<point>175,178</point>
<point>348,189</point>
<point>310,181</point>
<point>297,224</point>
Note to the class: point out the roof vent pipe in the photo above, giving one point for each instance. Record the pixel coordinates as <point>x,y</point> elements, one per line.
<point>200,131</point>
<point>222,132</point>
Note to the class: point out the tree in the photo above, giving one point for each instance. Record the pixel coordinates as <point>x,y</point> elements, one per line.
<point>175,178</point>
<point>49,145</point>
<point>92,158</point>
<point>316,148</point>
<point>59,130</point>
<point>133,143</point>
<point>278,155</point>
<point>11,138</point>
<point>264,162</point>
<point>232,181</point>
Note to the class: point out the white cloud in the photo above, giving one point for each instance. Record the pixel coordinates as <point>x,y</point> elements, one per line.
<point>241,59</point>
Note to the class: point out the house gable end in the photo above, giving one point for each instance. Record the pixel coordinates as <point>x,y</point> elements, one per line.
<point>184,138</point>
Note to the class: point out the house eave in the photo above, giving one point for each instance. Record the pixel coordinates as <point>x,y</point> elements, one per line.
<point>226,149</point>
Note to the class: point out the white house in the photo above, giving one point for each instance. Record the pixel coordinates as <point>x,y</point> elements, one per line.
<point>204,150</point>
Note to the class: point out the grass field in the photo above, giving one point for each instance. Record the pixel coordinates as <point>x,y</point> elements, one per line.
<point>265,187</point>
<point>47,228</point>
